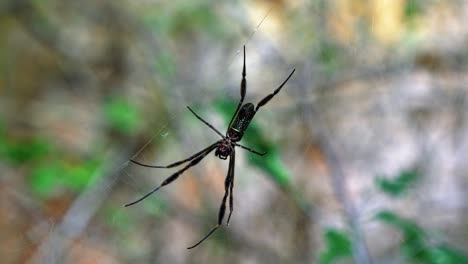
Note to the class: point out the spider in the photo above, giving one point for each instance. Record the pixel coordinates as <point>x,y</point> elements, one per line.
<point>225,147</point>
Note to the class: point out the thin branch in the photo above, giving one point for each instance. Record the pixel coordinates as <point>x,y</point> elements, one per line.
<point>78,216</point>
<point>338,177</point>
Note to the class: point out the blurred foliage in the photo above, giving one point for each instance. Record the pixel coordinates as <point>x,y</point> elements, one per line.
<point>338,246</point>
<point>413,8</point>
<point>49,169</point>
<point>195,15</point>
<point>417,246</point>
<point>121,115</point>
<point>20,150</point>
<point>185,17</point>
<point>399,185</point>
<point>165,65</point>
<point>157,207</point>
<point>47,177</point>
<point>119,219</point>
<point>329,55</point>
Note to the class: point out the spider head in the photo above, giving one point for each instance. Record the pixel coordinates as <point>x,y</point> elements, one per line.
<point>223,152</point>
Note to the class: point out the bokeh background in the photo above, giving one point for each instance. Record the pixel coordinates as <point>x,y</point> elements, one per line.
<point>367,142</point>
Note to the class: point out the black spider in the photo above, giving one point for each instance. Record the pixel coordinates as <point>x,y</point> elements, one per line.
<point>225,147</point>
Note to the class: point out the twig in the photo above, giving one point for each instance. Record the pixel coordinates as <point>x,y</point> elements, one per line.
<point>80,212</point>
<point>337,176</point>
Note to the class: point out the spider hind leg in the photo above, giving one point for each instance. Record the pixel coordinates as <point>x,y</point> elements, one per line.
<point>227,192</point>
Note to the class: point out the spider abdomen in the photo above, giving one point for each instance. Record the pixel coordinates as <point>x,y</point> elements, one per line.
<point>242,121</point>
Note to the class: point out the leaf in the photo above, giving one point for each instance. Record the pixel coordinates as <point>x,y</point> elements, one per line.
<point>45,178</point>
<point>413,8</point>
<point>446,255</point>
<point>338,245</point>
<point>198,17</point>
<point>49,176</point>
<point>329,55</point>
<point>121,115</point>
<point>23,150</point>
<point>20,150</point>
<point>399,185</point>
<point>415,246</point>
<point>78,176</point>
<point>407,226</point>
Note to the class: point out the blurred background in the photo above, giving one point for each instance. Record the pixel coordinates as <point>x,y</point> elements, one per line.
<point>367,142</point>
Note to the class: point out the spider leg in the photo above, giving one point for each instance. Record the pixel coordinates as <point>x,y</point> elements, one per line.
<point>205,122</point>
<point>243,89</point>
<point>176,175</point>
<point>175,164</point>
<point>232,164</point>
<point>251,150</point>
<point>265,100</point>
<point>222,209</point>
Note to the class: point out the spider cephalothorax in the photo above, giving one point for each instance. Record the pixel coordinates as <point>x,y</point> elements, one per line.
<point>224,148</point>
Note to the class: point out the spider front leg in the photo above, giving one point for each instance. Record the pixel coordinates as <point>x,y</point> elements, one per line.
<point>176,175</point>
<point>267,98</point>
<point>205,122</point>
<point>222,209</point>
<point>243,90</point>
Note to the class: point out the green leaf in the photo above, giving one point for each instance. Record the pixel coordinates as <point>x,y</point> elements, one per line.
<point>446,255</point>
<point>46,178</point>
<point>399,185</point>
<point>199,17</point>
<point>338,246</point>
<point>78,176</point>
<point>407,226</point>
<point>329,55</point>
<point>271,162</point>
<point>415,244</point>
<point>121,115</point>
<point>20,150</point>
<point>23,150</point>
<point>413,8</point>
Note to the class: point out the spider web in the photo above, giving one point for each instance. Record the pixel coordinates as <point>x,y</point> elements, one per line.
<point>378,106</point>
<point>403,120</point>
